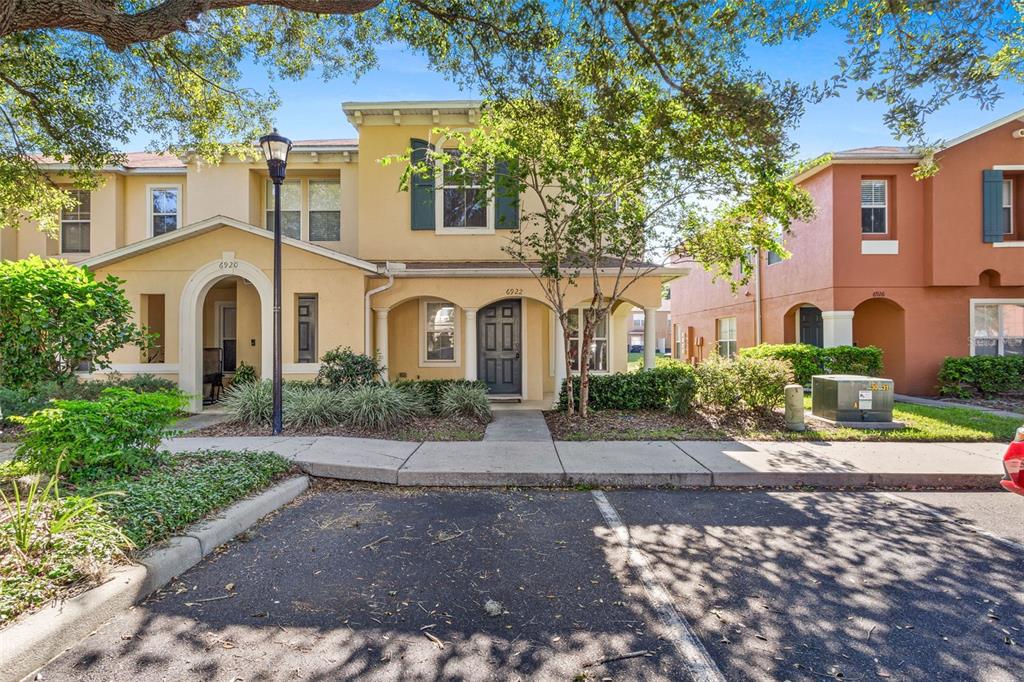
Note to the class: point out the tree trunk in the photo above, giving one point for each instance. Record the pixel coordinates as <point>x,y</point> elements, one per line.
<point>570,401</point>
<point>586,336</point>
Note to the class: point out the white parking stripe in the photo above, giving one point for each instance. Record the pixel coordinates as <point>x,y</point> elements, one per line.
<point>699,664</point>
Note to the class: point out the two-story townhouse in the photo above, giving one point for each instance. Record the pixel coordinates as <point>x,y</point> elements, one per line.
<point>924,269</point>
<point>417,278</point>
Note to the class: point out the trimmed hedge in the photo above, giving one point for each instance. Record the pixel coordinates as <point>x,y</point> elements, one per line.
<point>646,389</point>
<point>808,360</point>
<point>981,375</point>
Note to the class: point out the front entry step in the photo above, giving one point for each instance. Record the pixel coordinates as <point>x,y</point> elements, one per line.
<point>505,398</point>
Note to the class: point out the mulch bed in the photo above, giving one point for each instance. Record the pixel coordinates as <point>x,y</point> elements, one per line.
<point>660,425</point>
<point>418,429</point>
<point>1011,403</point>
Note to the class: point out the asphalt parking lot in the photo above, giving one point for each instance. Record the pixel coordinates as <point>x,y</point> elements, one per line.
<point>363,582</point>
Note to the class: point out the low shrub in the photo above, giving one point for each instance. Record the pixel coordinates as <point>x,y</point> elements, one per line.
<point>807,360</point>
<point>646,389</point>
<point>244,374</point>
<point>343,367</point>
<point>762,381</point>
<point>682,393</point>
<point>251,403</point>
<point>381,407</point>
<point>718,383</point>
<point>117,434</point>
<point>190,486</point>
<point>984,375</point>
<point>20,402</point>
<point>312,407</point>
<point>465,399</point>
<point>429,391</point>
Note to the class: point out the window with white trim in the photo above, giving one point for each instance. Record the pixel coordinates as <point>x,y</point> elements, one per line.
<point>324,210</point>
<point>598,345</point>
<point>1007,206</point>
<point>164,209</point>
<point>464,203</point>
<point>997,328</point>
<point>291,208</point>
<point>726,329</point>
<point>438,321</point>
<point>75,223</point>
<point>874,208</point>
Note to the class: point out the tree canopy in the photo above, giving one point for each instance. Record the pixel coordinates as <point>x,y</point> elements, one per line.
<point>79,77</point>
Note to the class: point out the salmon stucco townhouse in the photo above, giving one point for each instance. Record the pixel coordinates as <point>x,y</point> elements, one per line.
<point>924,269</point>
<point>417,277</point>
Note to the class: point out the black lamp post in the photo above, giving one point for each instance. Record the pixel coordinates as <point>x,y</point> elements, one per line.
<point>275,150</point>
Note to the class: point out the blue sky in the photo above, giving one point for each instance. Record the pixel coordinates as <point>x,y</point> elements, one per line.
<point>311,108</point>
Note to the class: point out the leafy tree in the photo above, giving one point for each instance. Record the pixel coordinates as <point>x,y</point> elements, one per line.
<point>79,77</point>
<point>54,316</point>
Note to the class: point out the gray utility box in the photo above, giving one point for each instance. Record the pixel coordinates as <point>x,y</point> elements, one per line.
<point>851,398</point>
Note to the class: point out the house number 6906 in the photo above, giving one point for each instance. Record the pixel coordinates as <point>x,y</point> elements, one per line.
<point>228,264</point>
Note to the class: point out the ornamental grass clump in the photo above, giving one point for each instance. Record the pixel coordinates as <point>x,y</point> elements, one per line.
<point>381,407</point>
<point>251,403</point>
<point>312,406</point>
<point>466,400</point>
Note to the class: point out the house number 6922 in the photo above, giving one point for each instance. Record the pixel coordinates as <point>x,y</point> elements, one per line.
<point>228,264</point>
<point>513,292</point>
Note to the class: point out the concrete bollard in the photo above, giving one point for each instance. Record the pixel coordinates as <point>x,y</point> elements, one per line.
<point>795,407</point>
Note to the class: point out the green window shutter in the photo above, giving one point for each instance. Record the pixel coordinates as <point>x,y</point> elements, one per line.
<point>422,189</point>
<point>506,199</point>
<point>992,206</point>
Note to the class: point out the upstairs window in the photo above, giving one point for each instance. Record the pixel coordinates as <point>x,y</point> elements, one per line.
<point>324,210</point>
<point>463,196</point>
<point>774,258</point>
<point>1007,216</point>
<point>164,209</point>
<point>75,223</point>
<point>726,328</point>
<point>874,213</point>
<point>291,208</point>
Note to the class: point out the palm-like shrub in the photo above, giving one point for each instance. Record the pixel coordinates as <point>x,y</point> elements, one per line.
<point>466,400</point>
<point>252,402</point>
<point>380,406</point>
<point>312,406</point>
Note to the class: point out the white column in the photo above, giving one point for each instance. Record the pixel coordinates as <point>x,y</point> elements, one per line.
<point>469,343</point>
<point>650,320</point>
<point>837,328</point>
<point>559,360</point>
<point>381,335</point>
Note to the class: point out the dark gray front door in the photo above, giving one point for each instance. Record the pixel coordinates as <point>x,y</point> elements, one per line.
<point>811,328</point>
<point>499,346</point>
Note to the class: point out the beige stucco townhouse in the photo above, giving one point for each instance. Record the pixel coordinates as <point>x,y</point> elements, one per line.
<point>415,277</point>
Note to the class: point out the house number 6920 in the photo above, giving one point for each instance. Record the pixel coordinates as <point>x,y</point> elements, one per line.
<point>228,264</point>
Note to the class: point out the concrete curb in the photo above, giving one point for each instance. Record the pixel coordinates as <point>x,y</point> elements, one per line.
<point>33,641</point>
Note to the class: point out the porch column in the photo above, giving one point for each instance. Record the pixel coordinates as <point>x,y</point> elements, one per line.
<point>469,343</point>
<point>381,336</point>
<point>559,359</point>
<point>837,328</point>
<point>650,320</point>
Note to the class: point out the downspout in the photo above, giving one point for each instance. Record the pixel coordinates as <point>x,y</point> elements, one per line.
<point>757,299</point>
<point>368,311</point>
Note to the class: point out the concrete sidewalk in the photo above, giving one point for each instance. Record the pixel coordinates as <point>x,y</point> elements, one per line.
<point>630,463</point>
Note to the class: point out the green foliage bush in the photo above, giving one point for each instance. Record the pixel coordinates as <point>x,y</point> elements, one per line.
<point>718,384</point>
<point>807,360</point>
<point>465,399</point>
<point>344,368</point>
<point>117,434</point>
<point>682,393</point>
<point>381,407</point>
<point>646,389</point>
<point>251,403</point>
<point>762,381</point>
<point>429,391</point>
<point>190,486</point>
<point>15,402</point>
<point>244,374</point>
<point>54,315</point>
<point>981,375</point>
<point>313,406</point>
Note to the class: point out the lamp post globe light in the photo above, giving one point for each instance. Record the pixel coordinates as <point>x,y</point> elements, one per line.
<point>275,150</point>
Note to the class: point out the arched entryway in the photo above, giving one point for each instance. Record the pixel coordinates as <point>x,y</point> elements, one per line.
<point>803,324</point>
<point>193,338</point>
<point>880,322</point>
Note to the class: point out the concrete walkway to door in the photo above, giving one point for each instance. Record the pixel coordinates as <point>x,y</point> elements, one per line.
<point>518,425</point>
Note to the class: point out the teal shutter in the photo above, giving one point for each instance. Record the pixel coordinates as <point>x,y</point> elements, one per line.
<point>506,198</point>
<point>422,189</point>
<point>992,206</point>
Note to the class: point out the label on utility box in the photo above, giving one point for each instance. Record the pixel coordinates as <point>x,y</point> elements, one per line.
<point>864,399</point>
